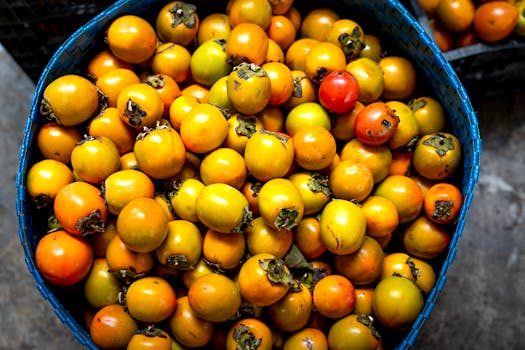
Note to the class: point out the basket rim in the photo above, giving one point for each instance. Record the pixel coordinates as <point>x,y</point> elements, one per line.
<point>471,173</point>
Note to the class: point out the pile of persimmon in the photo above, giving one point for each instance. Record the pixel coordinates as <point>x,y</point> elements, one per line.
<point>255,178</point>
<point>460,23</point>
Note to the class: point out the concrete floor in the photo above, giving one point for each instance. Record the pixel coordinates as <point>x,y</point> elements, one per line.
<point>481,306</point>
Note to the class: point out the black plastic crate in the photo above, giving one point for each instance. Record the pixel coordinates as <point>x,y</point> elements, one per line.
<point>32,30</point>
<point>485,69</point>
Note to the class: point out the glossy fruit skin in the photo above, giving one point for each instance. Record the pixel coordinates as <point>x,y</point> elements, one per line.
<point>214,26</point>
<point>350,180</point>
<point>399,264</point>
<point>103,62</point>
<point>112,82</point>
<point>142,225</point>
<point>378,159</point>
<point>364,265</point>
<point>80,208</point>
<point>404,192</point>
<point>280,204</point>
<point>272,118</point>
<point>160,152</point>
<point>426,239</point>
<point>268,155</point>
<point>353,331</point>
<point>375,124</point>
<point>306,339</point>
<point>430,114</point>
<point>151,338</point>
<point>209,62</point>
<point>494,21</point>
<point>251,191</point>
<point>224,165</point>
<point>274,53</point>
<point>183,199</point>
<point>241,128</point>
<point>250,11</point>
<point>314,147</point>
<point>125,185</point>
<point>224,251</point>
<point>131,39</point>
<point>45,178</point>
<point>437,155</point>
<point>282,30</point>
<point>281,82</point>
<point>343,226</point>
<point>199,91</point>
<point>363,301</point>
<point>292,312</point>
<point>306,114</point>
<point>322,59</point>
<point>455,15</point>
<point>261,238</point>
<point>407,128</point>
<point>167,88</point>
<point>112,327</point>
<point>254,279</point>
<point>95,158</point>
<point>203,129</point>
<point>443,202</point>
<point>317,22</point>
<point>249,328</point>
<point>223,208</point>
<point>100,240</point>
<point>57,141</point>
<point>372,48</point>
<point>304,90</point>
<point>369,77</point>
<point>247,42</point>
<point>70,99</point>
<point>248,88</point>
<point>62,258</point>
<point>182,247</point>
<point>151,299</point>
<point>140,105</point>
<point>338,91</point>
<point>214,297</point>
<point>400,77</point>
<point>313,188</point>
<point>347,34</point>
<point>307,238</point>
<point>218,95</point>
<point>172,59</point>
<point>177,22</point>
<point>188,328</point>
<point>334,296</point>
<point>125,261</point>
<point>343,125</point>
<point>425,275</point>
<point>381,216</point>
<point>101,288</point>
<point>295,56</point>
<point>109,124</point>
<point>397,302</point>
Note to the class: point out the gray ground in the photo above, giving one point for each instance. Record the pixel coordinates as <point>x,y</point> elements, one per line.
<point>481,306</point>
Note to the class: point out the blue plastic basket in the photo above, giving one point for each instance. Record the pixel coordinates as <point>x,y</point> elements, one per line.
<point>390,20</point>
